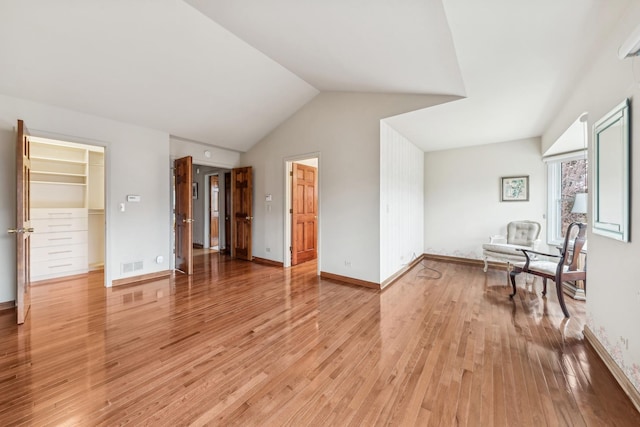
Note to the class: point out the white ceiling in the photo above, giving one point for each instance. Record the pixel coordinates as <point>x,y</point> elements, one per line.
<point>519,60</point>
<point>228,72</point>
<point>158,63</point>
<point>353,45</point>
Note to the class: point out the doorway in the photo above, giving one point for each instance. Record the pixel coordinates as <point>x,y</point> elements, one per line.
<point>67,206</point>
<point>214,212</point>
<point>199,216</point>
<point>302,210</point>
<point>209,196</point>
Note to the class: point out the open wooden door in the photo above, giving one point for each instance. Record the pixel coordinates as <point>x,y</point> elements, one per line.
<point>23,223</point>
<point>227,213</point>
<point>214,211</point>
<point>183,215</point>
<point>242,212</point>
<point>304,219</point>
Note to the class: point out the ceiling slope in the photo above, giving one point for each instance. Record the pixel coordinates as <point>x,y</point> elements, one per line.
<point>159,64</point>
<point>227,73</point>
<point>518,60</point>
<point>350,45</point>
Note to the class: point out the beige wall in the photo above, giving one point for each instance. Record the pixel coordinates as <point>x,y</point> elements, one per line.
<point>344,128</point>
<point>462,195</point>
<point>401,201</point>
<point>137,163</point>
<point>613,289</point>
<point>218,157</point>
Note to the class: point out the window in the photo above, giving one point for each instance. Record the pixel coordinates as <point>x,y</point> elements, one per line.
<point>566,177</point>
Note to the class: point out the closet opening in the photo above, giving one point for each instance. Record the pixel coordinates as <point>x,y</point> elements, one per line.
<point>67,190</point>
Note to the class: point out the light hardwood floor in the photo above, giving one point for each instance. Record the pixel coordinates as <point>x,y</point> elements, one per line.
<point>245,344</point>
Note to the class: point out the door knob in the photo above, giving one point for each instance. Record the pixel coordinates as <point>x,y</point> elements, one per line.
<point>249,218</point>
<point>188,220</point>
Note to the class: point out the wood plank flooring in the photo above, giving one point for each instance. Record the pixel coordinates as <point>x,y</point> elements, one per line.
<point>251,345</point>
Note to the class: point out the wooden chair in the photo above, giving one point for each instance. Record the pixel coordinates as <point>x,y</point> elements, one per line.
<point>559,268</point>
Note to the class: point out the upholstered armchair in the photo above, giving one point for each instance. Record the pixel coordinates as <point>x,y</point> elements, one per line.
<point>520,235</point>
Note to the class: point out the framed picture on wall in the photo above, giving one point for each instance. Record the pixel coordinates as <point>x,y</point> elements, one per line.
<point>194,190</point>
<point>514,188</point>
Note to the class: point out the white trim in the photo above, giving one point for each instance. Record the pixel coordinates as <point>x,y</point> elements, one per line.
<point>554,177</point>
<point>553,202</point>
<point>577,154</point>
<point>614,231</point>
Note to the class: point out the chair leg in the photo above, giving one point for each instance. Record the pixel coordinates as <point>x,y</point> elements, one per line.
<point>512,276</point>
<point>544,287</point>
<point>509,270</point>
<point>486,265</point>
<point>561,298</point>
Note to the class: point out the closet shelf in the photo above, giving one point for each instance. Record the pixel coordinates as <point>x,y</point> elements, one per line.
<point>58,160</point>
<point>57,173</point>
<point>58,183</point>
<point>68,237</point>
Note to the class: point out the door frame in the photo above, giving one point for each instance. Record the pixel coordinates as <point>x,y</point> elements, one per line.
<point>207,227</point>
<point>222,236</point>
<point>37,133</point>
<point>172,197</point>
<point>288,161</point>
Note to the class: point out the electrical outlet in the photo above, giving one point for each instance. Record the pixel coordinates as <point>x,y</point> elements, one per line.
<point>347,263</point>
<point>268,249</point>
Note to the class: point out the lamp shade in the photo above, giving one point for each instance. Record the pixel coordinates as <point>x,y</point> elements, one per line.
<point>580,203</point>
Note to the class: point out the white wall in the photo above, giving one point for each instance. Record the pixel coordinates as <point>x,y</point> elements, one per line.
<point>137,161</point>
<point>462,195</point>
<point>344,128</point>
<point>401,201</point>
<point>219,157</point>
<point>613,289</point>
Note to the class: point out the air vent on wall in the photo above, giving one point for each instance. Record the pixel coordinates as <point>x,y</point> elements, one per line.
<point>130,267</point>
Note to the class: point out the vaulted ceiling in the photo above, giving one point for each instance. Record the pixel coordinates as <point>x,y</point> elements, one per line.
<point>226,73</point>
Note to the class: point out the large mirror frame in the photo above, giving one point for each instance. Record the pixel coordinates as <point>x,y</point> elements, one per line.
<point>611,146</point>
